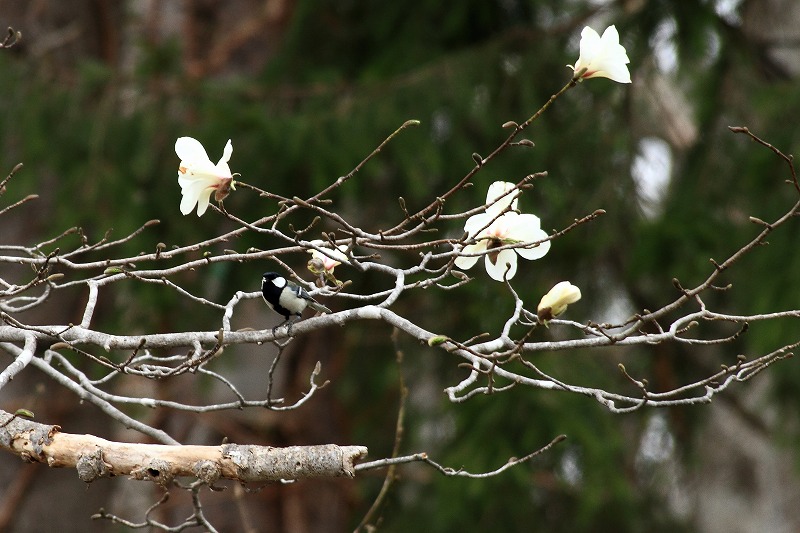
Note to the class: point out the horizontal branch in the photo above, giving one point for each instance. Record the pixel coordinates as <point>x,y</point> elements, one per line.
<point>96,458</point>
<point>459,472</point>
<point>481,357</point>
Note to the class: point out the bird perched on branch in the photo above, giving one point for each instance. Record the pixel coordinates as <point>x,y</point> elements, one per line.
<point>287,298</point>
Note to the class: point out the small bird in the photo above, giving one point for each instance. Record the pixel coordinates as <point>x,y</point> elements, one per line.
<point>287,298</point>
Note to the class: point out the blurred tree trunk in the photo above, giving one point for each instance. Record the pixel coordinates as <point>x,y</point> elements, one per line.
<point>744,479</point>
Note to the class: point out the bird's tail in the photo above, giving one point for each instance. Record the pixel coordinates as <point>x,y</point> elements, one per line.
<point>318,307</point>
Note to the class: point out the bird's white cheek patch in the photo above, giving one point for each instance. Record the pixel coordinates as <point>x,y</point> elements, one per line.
<point>279,282</point>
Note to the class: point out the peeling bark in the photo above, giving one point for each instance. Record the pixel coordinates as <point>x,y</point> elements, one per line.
<point>95,458</point>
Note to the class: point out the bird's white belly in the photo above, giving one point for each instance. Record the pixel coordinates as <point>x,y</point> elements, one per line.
<point>291,303</point>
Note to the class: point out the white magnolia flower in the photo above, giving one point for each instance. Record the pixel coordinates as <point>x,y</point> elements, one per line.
<point>199,177</point>
<point>493,230</point>
<point>326,261</point>
<point>556,301</point>
<point>602,57</point>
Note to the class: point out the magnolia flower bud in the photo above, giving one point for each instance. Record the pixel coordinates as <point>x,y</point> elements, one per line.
<point>328,260</point>
<point>556,301</point>
<point>315,265</point>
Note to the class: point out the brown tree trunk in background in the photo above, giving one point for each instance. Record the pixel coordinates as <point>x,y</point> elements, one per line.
<point>775,26</point>
<point>744,481</point>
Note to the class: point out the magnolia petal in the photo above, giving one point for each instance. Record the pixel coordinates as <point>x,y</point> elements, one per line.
<point>538,251</point>
<point>498,189</point>
<point>187,203</point>
<point>327,263</point>
<point>203,201</point>
<point>527,228</point>
<point>609,44</point>
<point>189,149</point>
<point>329,258</point>
<point>612,59</point>
<point>565,293</point>
<point>506,259</point>
<point>226,153</point>
<point>193,192</point>
<point>222,169</point>
<point>195,161</point>
<point>337,253</point>
<point>615,71</point>
<point>198,170</point>
<point>465,263</point>
<point>590,45</point>
<point>477,225</point>
<point>194,188</point>
<point>199,181</point>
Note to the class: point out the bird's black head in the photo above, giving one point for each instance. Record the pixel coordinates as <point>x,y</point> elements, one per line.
<point>272,283</point>
<point>269,276</point>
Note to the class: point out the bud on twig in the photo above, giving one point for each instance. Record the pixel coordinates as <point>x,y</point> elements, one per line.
<point>437,340</point>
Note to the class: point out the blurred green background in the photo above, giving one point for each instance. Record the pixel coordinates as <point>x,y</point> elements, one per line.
<point>95,95</point>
